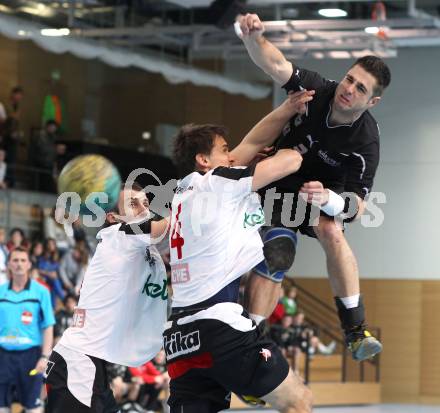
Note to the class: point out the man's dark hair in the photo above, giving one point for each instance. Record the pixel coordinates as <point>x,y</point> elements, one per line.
<point>18,249</point>
<point>191,140</point>
<point>377,68</point>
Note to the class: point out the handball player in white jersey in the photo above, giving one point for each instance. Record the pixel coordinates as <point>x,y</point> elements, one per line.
<point>121,310</point>
<point>212,346</point>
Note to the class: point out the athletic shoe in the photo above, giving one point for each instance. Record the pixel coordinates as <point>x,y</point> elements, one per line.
<point>251,400</point>
<point>362,344</point>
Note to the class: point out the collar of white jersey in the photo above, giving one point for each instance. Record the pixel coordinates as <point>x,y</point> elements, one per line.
<point>115,227</point>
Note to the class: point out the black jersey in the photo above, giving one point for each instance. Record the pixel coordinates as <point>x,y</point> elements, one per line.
<point>343,157</point>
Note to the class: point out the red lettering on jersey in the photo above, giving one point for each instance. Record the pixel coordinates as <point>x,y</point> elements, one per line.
<point>179,273</point>
<point>176,240</point>
<point>79,317</point>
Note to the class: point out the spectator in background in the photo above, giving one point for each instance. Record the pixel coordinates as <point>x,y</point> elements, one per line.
<point>48,266</point>
<point>3,169</point>
<point>3,257</point>
<point>125,387</point>
<point>26,334</point>
<point>284,335</point>
<point>42,155</point>
<point>152,382</point>
<point>278,312</point>
<point>3,118</point>
<point>12,133</point>
<point>61,158</point>
<point>52,229</point>
<point>17,239</point>
<point>73,265</point>
<point>64,316</point>
<point>289,302</point>
<point>36,253</point>
<point>304,333</point>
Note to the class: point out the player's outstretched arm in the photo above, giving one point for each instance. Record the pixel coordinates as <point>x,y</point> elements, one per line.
<point>263,53</point>
<point>268,129</point>
<point>283,163</point>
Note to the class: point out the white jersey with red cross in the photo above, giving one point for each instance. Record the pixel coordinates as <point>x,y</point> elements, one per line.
<point>214,235</point>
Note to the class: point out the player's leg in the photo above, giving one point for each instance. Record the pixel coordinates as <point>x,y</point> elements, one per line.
<point>291,396</point>
<point>262,372</point>
<point>344,280</point>
<point>29,387</point>
<point>264,283</point>
<point>7,379</point>
<point>191,388</point>
<point>87,389</point>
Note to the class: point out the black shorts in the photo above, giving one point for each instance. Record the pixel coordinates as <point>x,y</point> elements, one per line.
<point>77,383</point>
<point>293,213</point>
<point>209,358</point>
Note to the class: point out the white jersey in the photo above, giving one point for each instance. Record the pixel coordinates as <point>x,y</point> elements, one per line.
<point>214,235</point>
<point>122,308</point>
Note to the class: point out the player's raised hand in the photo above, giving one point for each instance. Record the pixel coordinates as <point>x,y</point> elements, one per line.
<point>315,192</point>
<point>296,102</point>
<point>248,25</point>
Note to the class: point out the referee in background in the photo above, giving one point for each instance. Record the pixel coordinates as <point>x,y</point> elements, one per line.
<point>26,335</point>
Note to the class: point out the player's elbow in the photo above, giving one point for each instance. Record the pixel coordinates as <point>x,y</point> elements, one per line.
<point>286,162</point>
<point>293,161</point>
<point>297,161</point>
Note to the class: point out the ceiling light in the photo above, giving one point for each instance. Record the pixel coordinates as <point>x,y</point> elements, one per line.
<point>372,30</point>
<point>55,32</point>
<point>5,9</point>
<point>41,10</point>
<point>332,13</point>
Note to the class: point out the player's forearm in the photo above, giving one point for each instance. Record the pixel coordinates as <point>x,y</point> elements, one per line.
<point>46,347</point>
<point>268,58</point>
<point>269,128</point>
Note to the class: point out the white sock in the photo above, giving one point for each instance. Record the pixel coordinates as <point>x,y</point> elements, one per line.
<point>257,318</point>
<point>351,302</point>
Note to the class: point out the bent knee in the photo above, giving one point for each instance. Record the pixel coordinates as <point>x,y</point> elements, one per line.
<point>329,231</point>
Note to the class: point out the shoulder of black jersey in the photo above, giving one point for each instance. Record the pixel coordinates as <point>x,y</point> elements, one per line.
<point>370,128</point>
<point>136,228</point>
<point>234,173</point>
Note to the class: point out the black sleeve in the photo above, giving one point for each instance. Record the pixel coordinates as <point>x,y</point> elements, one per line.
<point>234,173</point>
<point>145,227</point>
<point>306,79</point>
<point>360,170</point>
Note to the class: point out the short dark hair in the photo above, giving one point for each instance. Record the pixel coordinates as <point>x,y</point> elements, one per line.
<point>379,69</point>
<point>191,140</point>
<point>16,229</point>
<point>18,249</point>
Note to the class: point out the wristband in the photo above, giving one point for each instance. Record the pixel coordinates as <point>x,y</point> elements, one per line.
<point>335,204</point>
<point>238,30</point>
<point>44,357</point>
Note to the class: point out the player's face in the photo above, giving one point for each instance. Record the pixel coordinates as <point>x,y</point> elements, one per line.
<point>355,92</point>
<point>219,155</point>
<point>19,264</point>
<point>133,205</point>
